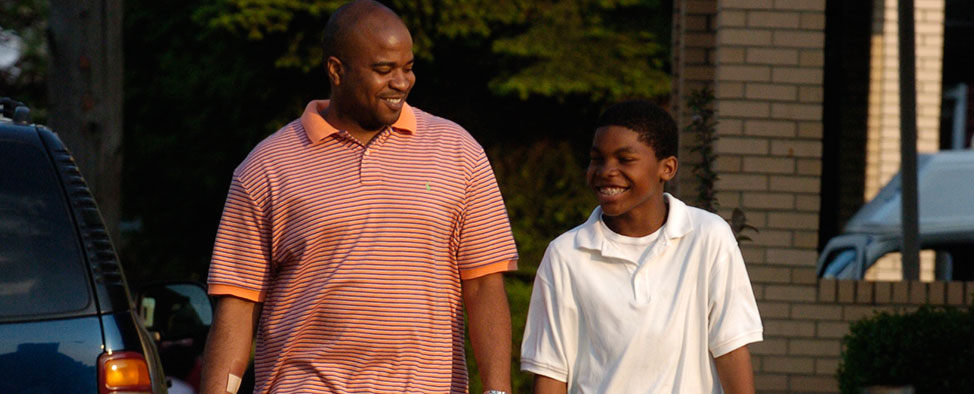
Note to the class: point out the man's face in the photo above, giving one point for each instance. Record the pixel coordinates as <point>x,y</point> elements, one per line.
<point>625,173</point>
<point>378,74</point>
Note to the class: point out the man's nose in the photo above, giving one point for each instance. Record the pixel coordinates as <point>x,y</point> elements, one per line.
<point>400,81</point>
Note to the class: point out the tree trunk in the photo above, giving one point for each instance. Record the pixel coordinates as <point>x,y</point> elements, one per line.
<point>85,93</point>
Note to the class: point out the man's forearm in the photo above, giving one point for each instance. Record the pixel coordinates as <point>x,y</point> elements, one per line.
<point>228,345</point>
<point>490,329</point>
<point>735,371</point>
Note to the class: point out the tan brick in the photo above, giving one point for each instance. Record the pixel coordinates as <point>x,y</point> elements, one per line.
<point>809,166</point>
<point>811,58</point>
<point>789,364</point>
<point>812,21</point>
<point>804,276</point>
<point>744,146</point>
<point>810,129</point>
<point>792,220</point>
<point>730,127</point>
<point>813,347</point>
<point>773,19</point>
<point>901,292</point>
<point>745,4</point>
<point>788,328</point>
<point>955,293</point>
<point>769,346</point>
<point>847,291</point>
<point>698,72</point>
<point>794,257</point>
<point>827,290</point>
<point>795,111</point>
<point>743,73</point>
<point>727,163</point>
<point>695,22</point>
<point>730,90</point>
<point>758,290</point>
<point>816,312</point>
<point>803,5</point>
<point>727,55</point>
<point>799,75</point>
<point>753,255</point>
<point>744,109</point>
<point>918,292</point>
<point>746,37</point>
<point>853,313</point>
<point>864,292</point>
<point>968,293</point>
<point>768,200</point>
<point>770,165</point>
<point>810,94</point>
<point>764,382</point>
<point>798,184</point>
<point>938,291</point>
<point>883,292</point>
<point>798,39</point>
<point>817,384</point>
<point>694,56</point>
<point>796,148</point>
<point>807,239</point>
<point>771,92</point>
<point>827,329</point>
<point>730,18</point>
<point>771,128</point>
<point>768,274</point>
<point>699,40</point>
<point>826,366</point>
<point>742,182</point>
<point>789,293</point>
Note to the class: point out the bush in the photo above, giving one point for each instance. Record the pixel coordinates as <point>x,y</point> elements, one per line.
<point>931,349</point>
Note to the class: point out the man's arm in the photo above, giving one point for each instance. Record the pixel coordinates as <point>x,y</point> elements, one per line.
<point>546,385</point>
<point>735,371</point>
<point>228,344</point>
<point>490,329</point>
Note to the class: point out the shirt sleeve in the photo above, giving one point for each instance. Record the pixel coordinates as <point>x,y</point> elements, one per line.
<point>240,265</point>
<point>485,243</point>
<point>733,319</point>
<point>551,326</point>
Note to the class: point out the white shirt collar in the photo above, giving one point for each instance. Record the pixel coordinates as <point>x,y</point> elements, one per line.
<point>590,235</point>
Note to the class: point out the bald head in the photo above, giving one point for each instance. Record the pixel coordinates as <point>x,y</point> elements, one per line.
<point>359,16</point>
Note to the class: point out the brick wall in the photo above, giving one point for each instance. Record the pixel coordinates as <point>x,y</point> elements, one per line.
<point>767,71</point>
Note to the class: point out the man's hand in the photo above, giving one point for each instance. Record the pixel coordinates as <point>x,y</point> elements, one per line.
<point>490,329</point>
<point>228,344</point>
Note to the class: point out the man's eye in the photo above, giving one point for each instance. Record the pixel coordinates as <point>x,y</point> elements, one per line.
<point>383,70</point>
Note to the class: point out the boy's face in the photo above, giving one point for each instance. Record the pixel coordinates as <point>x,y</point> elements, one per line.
<point>626,175</point>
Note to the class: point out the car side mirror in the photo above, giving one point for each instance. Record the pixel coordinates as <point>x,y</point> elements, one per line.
<point>175,311</point>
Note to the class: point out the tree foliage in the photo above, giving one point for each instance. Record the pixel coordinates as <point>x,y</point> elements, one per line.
<point>602,49</point>
<point>23,24</point>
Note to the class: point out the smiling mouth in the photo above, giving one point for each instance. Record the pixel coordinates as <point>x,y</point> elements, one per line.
<point>394,100</point>
<point>611,191</point>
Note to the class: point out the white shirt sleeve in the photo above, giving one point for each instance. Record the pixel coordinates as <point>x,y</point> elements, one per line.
<point>550,325</point>
<point>733,320</point>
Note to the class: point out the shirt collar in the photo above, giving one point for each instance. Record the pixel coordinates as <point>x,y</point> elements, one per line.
<point>318,128</point>
<point>678,224</point>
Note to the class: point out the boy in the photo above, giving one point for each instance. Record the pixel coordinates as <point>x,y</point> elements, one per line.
<point>648,295</point>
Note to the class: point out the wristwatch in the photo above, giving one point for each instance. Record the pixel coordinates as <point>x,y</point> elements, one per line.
<point>495,392</point>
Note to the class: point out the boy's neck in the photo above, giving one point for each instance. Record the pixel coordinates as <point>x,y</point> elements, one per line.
<point>639,225</point>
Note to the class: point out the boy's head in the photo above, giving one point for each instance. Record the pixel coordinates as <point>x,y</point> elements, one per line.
<point>633,155</point>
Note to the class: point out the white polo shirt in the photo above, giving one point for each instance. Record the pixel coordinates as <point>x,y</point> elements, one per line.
<point>605,323</point>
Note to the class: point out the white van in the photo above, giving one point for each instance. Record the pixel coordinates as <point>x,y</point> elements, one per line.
<point>946,201</point>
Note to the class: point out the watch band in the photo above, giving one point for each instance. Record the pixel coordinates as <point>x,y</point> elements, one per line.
<point>495,392</point>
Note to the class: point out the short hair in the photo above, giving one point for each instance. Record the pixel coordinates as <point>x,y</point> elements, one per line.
<point>342,24</point>
<point>654,125</point>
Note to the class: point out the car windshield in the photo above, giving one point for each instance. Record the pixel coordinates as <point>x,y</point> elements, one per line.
<point>41,264</point>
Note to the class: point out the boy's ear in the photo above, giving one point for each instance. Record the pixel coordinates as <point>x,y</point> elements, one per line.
<point>667,168</point>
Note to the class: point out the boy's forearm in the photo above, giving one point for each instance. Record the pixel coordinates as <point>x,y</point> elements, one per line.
<point>490,329</point>
<point>546,385</point>
<point>735,371</point>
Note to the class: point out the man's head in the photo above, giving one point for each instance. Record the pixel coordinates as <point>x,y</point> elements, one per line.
<point>368,55</point>
<point>633,155</point>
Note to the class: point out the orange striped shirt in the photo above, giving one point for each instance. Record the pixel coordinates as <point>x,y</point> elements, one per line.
<point>358,251</point>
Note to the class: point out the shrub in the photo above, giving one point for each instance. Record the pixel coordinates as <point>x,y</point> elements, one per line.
<point>931,349</point>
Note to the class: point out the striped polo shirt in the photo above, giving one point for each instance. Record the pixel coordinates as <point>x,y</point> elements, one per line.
<point>357,252</point>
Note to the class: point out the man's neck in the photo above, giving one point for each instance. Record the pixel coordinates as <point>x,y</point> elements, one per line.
<point>364,136</point>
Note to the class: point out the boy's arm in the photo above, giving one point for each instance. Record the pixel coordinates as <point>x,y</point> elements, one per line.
<point>735,371</point>
<point>490,329</point>
<point>546,385</point>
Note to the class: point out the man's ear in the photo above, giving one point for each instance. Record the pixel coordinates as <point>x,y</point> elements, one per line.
<point>335,70</point>
<point>667,168</point>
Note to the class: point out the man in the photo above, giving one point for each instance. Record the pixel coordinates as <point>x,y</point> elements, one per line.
<point>353,237</point>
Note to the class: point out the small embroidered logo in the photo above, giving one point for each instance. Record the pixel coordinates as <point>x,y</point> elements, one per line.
<point>427,185</point>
